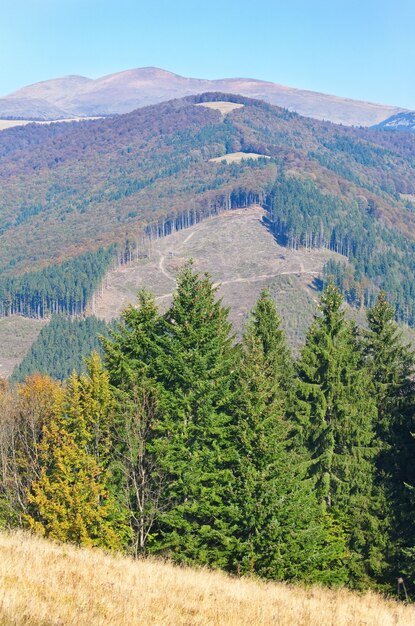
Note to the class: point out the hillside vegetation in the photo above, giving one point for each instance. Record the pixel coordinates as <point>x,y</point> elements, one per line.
<point>79,199</point>
<point>76,186</point>
<point>47,584</point>
<point>191,444</point>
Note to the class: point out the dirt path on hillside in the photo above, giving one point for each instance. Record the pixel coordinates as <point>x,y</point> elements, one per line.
<point>253,279</point>
<point>163,270</point>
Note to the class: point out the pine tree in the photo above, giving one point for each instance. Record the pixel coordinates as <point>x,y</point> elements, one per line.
<point>391,364</point>
<point>130,356</point>
<point>132,348</point>
<point>70,501</point>
<point>282,532</point>
<point>336,409</point>
<point>194,442</point>
<point>98,409</point>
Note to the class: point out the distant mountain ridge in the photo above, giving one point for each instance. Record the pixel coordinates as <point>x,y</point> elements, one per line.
<point>122,92</point>
<point>400,121</point>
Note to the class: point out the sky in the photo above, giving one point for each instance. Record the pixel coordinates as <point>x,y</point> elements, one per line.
<point>362,49</point>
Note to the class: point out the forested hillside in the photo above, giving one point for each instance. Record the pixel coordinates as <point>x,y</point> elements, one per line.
<point>70,189</point>
<point>61,347</point>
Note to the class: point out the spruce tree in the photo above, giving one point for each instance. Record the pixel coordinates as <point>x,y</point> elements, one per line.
<point>71,500</point>
<point>131,350</point>
<point>130,356</point>
<point>391,364</point>
<point>336,409</point>
<point>282,532</point>
<point>195,439</point>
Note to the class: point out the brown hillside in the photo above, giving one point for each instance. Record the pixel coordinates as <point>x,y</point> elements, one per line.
<point>241,255</point>
<point>124,91</point>
<point>44,584</point>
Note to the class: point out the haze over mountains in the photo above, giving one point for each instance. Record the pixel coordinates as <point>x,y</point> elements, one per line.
<point>122,92</point>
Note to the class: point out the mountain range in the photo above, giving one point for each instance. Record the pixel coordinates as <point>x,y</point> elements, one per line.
<point>78,200</point>
<point>122,92</point>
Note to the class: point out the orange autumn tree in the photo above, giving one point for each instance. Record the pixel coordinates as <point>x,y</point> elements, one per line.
<point>72,499</point>
<point>24,411</point>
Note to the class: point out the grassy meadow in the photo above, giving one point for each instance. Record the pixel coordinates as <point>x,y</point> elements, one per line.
<point>46,584</point>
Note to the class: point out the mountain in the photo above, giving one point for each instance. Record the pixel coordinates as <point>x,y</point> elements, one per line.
<point>82,201</point>
<point>122,92</point>
<point>338,200</point>
<point>30,109</point>
<point>400,121</point>
<point>66,189</point>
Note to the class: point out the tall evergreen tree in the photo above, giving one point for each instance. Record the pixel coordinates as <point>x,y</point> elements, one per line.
<point>265,325</point>
<point>195,439</point>
<point>282,532</point>
<point>336,408</point>
<point>71,500</point>
<point>130,356</point>
<point>391,364</point>
<point>132,348</point>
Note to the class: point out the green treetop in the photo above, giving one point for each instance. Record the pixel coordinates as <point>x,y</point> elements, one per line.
<point>336,408</point>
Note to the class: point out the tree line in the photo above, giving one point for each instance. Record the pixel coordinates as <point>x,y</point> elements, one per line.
<point>61,347</point>
<point>65,288</point>
<point>186,444</point>
<point>302,216</point>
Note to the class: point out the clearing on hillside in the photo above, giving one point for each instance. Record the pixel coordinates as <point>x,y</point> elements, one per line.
<point>17,334</point>
<point>241,255</point>
<point>237,157</point>
<point>223,107</point>
<point>11,123</point>
<point>47,584</point>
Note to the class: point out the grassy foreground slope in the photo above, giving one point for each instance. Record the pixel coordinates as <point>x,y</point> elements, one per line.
<point>47,584</point>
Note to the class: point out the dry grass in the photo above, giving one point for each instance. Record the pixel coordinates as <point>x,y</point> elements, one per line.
<point>223,107</point>
<point>17,334</point>
<point>237,157</point>
<point>46,584</point>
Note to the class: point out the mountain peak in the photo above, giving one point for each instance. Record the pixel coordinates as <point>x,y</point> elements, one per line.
<point>122,92</point>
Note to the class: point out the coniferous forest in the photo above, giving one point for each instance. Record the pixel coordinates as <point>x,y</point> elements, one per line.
<point>184,443</point>
<point>61,347</point>
<point>64,288</point>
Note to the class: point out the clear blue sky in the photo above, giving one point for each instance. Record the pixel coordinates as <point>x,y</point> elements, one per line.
<point>357,48</point>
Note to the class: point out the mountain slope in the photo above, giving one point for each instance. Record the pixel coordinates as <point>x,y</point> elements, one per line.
<point>68,189</point>
<point>124,91</point>
<point>241,254</point>
<point>30,109</point>
<point>51,584</point>
<point>400,121</point>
